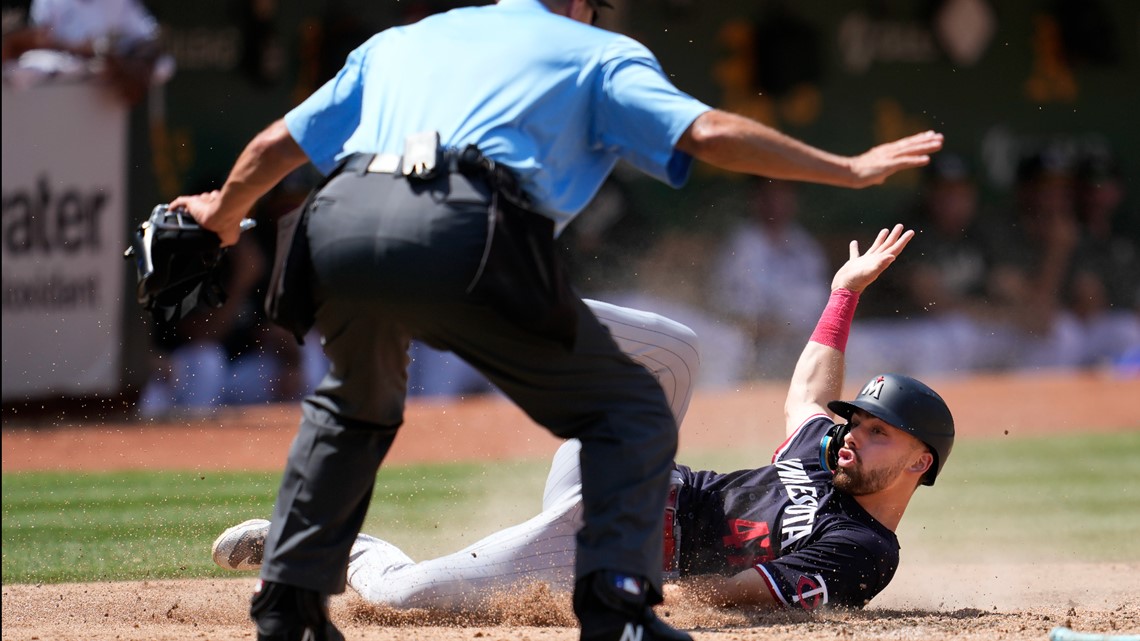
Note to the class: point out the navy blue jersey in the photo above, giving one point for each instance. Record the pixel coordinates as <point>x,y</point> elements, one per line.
<point>812,544</point>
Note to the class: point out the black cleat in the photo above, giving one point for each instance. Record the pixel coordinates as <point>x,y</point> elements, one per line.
<point>614,607</point>
<point>286,613</point>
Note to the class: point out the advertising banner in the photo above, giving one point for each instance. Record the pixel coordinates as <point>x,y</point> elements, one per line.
<point>64,167</point>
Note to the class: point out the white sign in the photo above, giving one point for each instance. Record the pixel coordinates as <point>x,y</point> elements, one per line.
<point>64,202</point>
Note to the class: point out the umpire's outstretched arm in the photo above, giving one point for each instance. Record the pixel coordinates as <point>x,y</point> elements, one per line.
<point>736,143</point>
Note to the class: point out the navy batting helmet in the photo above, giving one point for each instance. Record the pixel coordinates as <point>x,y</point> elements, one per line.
<point>911,406</point>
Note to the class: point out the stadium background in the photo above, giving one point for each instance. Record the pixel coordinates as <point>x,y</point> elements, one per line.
<point>999,79</point>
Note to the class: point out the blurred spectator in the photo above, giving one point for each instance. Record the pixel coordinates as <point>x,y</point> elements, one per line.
<point>1104,291</point>
<point>1055,285</point>
<point>772,278</point>
<point>935,311</point>
<point>1036,263</point>
<point>114,39</point>
<point>670,279</point>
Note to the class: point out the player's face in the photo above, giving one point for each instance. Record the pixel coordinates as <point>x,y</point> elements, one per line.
<point>874,455</point>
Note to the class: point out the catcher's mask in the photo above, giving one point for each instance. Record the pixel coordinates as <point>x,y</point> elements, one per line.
<point>909,405</point>
<point>176,261</point>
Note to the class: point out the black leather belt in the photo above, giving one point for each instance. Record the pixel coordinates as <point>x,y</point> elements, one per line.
<point>392,163</point>
<point>468,161</point>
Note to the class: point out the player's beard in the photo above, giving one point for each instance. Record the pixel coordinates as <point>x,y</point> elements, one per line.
<point>858,482</point>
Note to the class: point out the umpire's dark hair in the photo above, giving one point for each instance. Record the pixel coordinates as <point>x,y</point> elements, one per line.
<point>911,406</point>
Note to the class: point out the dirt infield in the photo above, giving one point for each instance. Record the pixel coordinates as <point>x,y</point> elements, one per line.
<point>970,600</point>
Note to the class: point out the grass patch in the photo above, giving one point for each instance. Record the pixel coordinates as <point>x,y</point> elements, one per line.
<point>63,527</point>
<point>1029,499</point>
<point>1044,499</point>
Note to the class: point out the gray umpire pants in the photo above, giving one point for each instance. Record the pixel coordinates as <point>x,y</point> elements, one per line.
<point>393,261</point>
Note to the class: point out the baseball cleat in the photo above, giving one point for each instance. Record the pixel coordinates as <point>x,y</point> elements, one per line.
<point>242,546</point>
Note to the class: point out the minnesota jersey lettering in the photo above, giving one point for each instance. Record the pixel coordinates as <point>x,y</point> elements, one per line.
<point>799,518</point>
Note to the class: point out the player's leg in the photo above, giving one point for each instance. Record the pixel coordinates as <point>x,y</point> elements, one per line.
<point>565,476</point>
<point>618,410</point>
<point>666,348</point>
<point>540,549</point>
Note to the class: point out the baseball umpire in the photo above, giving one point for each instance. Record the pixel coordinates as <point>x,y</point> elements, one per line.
<point>455,149</point>
<point>815,528</point>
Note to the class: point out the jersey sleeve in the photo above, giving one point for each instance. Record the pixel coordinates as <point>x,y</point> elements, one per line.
<point>846,568</point>
<point>805,441</point>
<point>641,115</point>
<point>326,119</point>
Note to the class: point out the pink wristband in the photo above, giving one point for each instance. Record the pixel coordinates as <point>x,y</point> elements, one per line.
<point>835,322</point>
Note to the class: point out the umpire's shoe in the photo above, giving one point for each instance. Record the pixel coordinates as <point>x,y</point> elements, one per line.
<point>615,607</point>
<point>286,613</point>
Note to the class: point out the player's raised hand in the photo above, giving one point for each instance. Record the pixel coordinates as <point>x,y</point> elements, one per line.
<point>880,162</point>
<point>861,270</point>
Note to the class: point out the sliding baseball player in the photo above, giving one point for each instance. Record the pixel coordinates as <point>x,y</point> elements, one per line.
<point>814,528</point>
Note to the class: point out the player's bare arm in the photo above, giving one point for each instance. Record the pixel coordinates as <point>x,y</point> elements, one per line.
<point>264,162</point>
<point>743,588</point>
<point>818,376</point>
<point>740,144</point>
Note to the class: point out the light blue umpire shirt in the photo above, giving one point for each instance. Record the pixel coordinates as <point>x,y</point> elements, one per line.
<point>556,100</point>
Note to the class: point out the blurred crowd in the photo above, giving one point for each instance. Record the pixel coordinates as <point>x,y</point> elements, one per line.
<point>1045,275</point>
<point>1050,280</point>
<point>118,41</point>
<point>1054,282</point>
